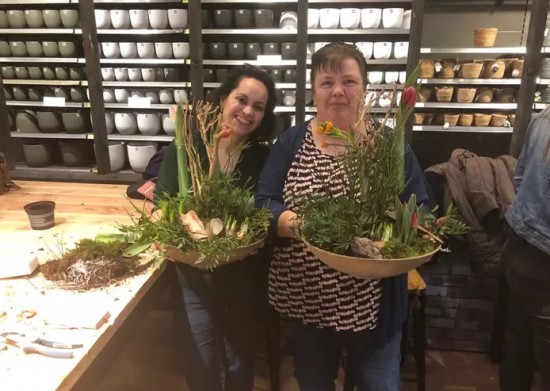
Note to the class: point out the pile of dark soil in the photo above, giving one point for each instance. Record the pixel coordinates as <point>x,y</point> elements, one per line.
<point>93,264</point>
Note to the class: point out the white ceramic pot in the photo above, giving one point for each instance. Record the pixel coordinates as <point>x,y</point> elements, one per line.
<point>382,50</point>
<point>102,19</point>
<point>121,74</point>
<point>288,20</point>
<point>401,49</point>
<point>120,19</point>
<point>146,49</point>
<point>117,155</point>
<point>177,18</point>
<point>370,99</point>
<point>109,122</point>
<point>391,77</point>
<point>402,77</point>
<point>137,93</point>
<point>148,124</point>
<point>289,98</point>
<point>158,19</point>
<point>34,19</point>
<point>163,49</point>
<point>181,49</point>
<point>365,48</point>
<point>134,74</point>
<point>70,18</point>
<point>110,49</point>
<point>121,95</point>
<point>107,74</point>
<point>350,18</point>
<point>67,49</point>
<point>19,49</point>
<point>312,18</point>
<point>52,18</point>
<point>168,125</point>
<point>139,154</point>
<point>370,18</point>
<point>392,17</point>
<point>406,23</point>
<point>329,18</point>
<point>128,49</point>
<point>50,48</point>
<point>148,74</point>
<point>139,19</point>
<point>180,96</point>
<point>109,95</point>
<point>166,96</point>
<point>375,77</point>
<point>384,100</point>
<point>153,96</point>
<point>16,19</point>
<point>4,24</point>
<point>125,123</point>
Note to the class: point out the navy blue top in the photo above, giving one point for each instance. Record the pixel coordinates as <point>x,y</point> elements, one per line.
<point>394,301</point>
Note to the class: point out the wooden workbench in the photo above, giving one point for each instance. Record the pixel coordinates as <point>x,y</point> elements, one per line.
<point>81,210</point>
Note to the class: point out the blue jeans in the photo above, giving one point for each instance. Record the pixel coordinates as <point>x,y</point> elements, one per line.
<point>222,318</point>
<point>317,355</point>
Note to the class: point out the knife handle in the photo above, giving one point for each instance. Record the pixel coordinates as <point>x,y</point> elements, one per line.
<point>58,345</point>
<point>47,351</point>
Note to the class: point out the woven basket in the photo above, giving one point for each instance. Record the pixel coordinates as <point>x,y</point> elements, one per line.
<point>444,94</point>
<point>484,95</point>
<point>494,69</point>
<point>512,119</point>
<point>485,37</point>
<point>447,68</point>
<point>497,120</point>
<point>482,119</point>
<point>427,69</point>
<point>465,95</point>
<point>465,119</point>
<point>424,94</point>
<point>504,95</point>
<point>471,70</point>
<point>516,67</point>
<point>418,118</point>
<point>450,119</point>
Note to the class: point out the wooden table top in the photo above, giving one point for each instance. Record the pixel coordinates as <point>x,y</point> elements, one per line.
<point>81,210</point>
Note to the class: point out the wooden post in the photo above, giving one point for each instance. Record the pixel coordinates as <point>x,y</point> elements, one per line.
<point>301,58</point>
<point>195,42</point>
<point>5,138</point>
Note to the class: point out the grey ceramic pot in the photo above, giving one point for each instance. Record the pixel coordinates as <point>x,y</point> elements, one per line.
<point>277,75</point>
<point>221,73</point>
<point>253,50</point>
<point>19,93</point>
<point>61,92</point>
<point>35,94</point>
<point>21,72</point>
<point>76,153</point>
<point>74,122</point>
<point>77,94</point>
<point>37,153</point>
<point>18,49</point>
<point>34,49</point>
<point>288,51</point>
<point>5,50</point>
<point>290,76</point>
<point>208,75</point>
<point>35,73</point>
<point>16,19</point>
<point>51,49</point>
<point>218,50</point>
<point>61,73</point>
<point>49,122</point>
<point>3,20</point>
<point>34,19</point>
<point>237,51</point>
<point>244,18</point>
<point>8,72</point>
<point>52,18</point>
<point>223,18</point>
<point>8,95</point>
<point>205,19</point>
<point>25,121</point>
<point>76,73</point>
<point>271,48</point>
<point>263,18</point>
<point>49,73</point>
<point>70,18</point>
<point>67,49</point>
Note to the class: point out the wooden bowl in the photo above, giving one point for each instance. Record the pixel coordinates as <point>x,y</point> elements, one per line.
<point>369,268</point>
<point>192,257</point>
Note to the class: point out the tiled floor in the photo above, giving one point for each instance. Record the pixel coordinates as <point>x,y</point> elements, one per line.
<point>149,362</point>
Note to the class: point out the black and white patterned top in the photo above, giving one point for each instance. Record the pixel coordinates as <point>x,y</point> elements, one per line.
<point>301,286</point>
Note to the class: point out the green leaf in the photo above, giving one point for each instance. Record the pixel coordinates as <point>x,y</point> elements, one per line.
<point>112,237</point>
<point>136,248</point>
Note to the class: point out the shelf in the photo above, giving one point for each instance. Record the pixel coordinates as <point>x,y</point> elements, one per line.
<point>252,62</point>
<point>139,137</point>
<point>36,82</point>
<point>137,1</point>
<point>462,129</point>
<point>72,105</point>
<point>360,1</point>
<point>543,81</point>
<point>358,32</point>
<point>245,1</point>
<point>12,2</point>
<point>541,106</point>
<point>153,106</point>
<point>41,31</point>
<point>141,31</point>
<point>376,110</point>
<point>277,85</point>
<point>22,171</point>
<point>144,84</point>
<point>391,61</point>
<point>453,105</point>
<point>511,82</point>
<point>491,50</point>
<point>141,61</point>
<point>284,109</point>
<point>69,60</point>
<point>384,86</point>
<point>73,136</point>
<point>273,31</point>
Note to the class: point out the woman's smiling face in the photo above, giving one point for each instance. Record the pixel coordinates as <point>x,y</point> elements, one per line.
<point>338,93</point>
<point>244,107</point>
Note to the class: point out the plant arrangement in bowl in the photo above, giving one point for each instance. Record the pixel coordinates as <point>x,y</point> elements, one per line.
<point>367,231</point>
<point>211,221</point>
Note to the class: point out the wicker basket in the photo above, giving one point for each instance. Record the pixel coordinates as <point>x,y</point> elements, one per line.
<point>465,119</point>
<point>512,119</point>
<point>494,69</point>
<point>516,67</point>
<point>444,94</point>
<point>418,118</point>
<point>471,70</point>
<point>451,119</point>
<point>484,95</point>
<point>485,37</point>
<point>424,94</point>
<point>465,95</point>
<point>447,68</point>
<point>482,119</point>
<point>498,120</point>
<point>427,69</point>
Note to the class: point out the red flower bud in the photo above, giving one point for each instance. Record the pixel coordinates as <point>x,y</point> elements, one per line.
<point>408,97</point>
<point>414,220</point>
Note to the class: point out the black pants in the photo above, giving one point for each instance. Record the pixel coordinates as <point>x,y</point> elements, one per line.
<point>528,274</point>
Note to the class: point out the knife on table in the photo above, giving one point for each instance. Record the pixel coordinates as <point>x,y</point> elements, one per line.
<point>30,346</point>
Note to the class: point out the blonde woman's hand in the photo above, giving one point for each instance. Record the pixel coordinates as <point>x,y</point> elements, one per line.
<point>287,224</point>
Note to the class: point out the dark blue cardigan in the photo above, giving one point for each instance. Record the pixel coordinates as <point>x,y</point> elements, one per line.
<point>394,302</point>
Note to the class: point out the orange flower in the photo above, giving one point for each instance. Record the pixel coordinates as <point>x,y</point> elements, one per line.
<point>320,129</point>
<point>324,145</point>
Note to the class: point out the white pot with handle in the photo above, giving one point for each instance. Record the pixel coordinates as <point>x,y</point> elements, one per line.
<point>139,154</point>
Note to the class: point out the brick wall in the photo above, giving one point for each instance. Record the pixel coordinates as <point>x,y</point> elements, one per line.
<point>459,305</point>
